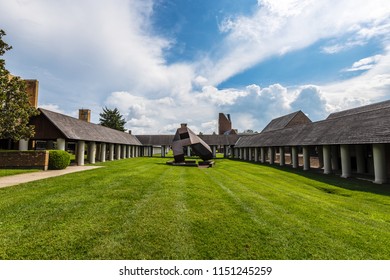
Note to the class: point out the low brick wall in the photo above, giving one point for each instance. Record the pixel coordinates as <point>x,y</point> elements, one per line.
<point>27,159</point>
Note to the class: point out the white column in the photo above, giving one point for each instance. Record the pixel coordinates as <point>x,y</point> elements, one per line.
<point>249,154</point>
<point>306,158</point>
<point>379,155</point>
<point>256,154</point>
<point>162,151</point>
<point>123,151</point>
<point>111,151</point>
<point>214,151</point>
<point>132,151</point>
<point>294,157</point>
<point>282,159</point>
<point>225,151</point>
<point>326,152</point>
<point>128,151</point>
<point>118,149</point>
<point>80,152</point>
<point>91,152</point>
<point>271,155</point>
<point>359,159</point>
<point>103,152</point>
<point>61,144</point>
<point>262,154</point>
<point>23,145</point>
<point>345,161</point>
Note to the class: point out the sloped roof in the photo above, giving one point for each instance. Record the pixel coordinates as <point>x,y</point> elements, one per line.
<point>75,129</point>
<point>296,118</point>
<point>360,126</point>
<point>156,140</point>
<point>210,139</point>
<point>220,140</point>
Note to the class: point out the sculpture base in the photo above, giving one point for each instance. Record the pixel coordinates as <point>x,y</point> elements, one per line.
<point>192,163</point>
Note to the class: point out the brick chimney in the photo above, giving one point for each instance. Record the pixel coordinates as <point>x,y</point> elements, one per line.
<point>85,115</point>
<point>32,91</point>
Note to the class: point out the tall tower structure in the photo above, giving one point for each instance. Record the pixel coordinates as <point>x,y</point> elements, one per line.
<point>32,91</point>
<point>224,123</point>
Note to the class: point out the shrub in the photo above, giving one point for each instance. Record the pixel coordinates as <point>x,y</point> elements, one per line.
<point>58,159</point>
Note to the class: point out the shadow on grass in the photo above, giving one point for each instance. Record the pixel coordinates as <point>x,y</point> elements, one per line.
<point>353,184</point>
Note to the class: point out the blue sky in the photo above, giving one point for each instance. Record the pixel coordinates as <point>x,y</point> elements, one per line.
<point>164,62</point>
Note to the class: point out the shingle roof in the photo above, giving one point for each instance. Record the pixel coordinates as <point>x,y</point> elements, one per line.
<point>156,140</point>
<point>357,126</point>
<point>75,129</point>
<point>210,139</point>
<point>220,140</point>
<point>292,119</point>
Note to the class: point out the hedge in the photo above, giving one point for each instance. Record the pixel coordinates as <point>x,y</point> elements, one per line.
<point>58,159</point>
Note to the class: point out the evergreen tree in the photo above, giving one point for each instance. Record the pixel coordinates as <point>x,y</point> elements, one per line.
<point>15,108</point>
<point>112,118</point>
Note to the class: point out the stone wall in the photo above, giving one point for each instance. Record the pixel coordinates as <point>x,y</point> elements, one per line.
<point>27,159</point>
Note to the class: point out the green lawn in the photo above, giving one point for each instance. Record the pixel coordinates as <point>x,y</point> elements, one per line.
<point>144,209</point>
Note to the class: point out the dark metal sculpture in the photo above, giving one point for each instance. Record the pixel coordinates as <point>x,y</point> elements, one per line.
<point>185,137</point>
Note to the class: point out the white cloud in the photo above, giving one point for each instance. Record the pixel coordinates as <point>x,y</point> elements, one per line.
<point>365,63</point>
<point>97,53</point>
<point>339,47</point>
<point>254,109</point>
<point>359,35</point>
<point>278,27</point>
<point>220,97</point>
<point>309,99</point>
<point>163,115</point>
<point>372,86</point>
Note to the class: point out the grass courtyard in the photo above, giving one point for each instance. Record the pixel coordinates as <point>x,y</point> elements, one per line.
<point>142,208</point>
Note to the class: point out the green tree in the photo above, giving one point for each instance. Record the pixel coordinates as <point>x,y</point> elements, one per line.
<point>112,118</point>
<point>15,108</point>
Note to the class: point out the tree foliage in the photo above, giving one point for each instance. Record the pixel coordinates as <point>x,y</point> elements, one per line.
<point>15,108</point>
<point>112,118</point>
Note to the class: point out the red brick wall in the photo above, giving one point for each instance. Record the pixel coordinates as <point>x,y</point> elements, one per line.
<point>29,159</point>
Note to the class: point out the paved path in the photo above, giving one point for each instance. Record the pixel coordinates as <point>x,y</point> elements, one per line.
<point>12,180</point>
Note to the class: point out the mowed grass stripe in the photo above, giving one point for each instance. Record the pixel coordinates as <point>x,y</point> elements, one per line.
<point>314,211</point>
<point>143,209</point>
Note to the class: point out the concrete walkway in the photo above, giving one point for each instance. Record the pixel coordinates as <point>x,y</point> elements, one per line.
<point>12,180</point>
